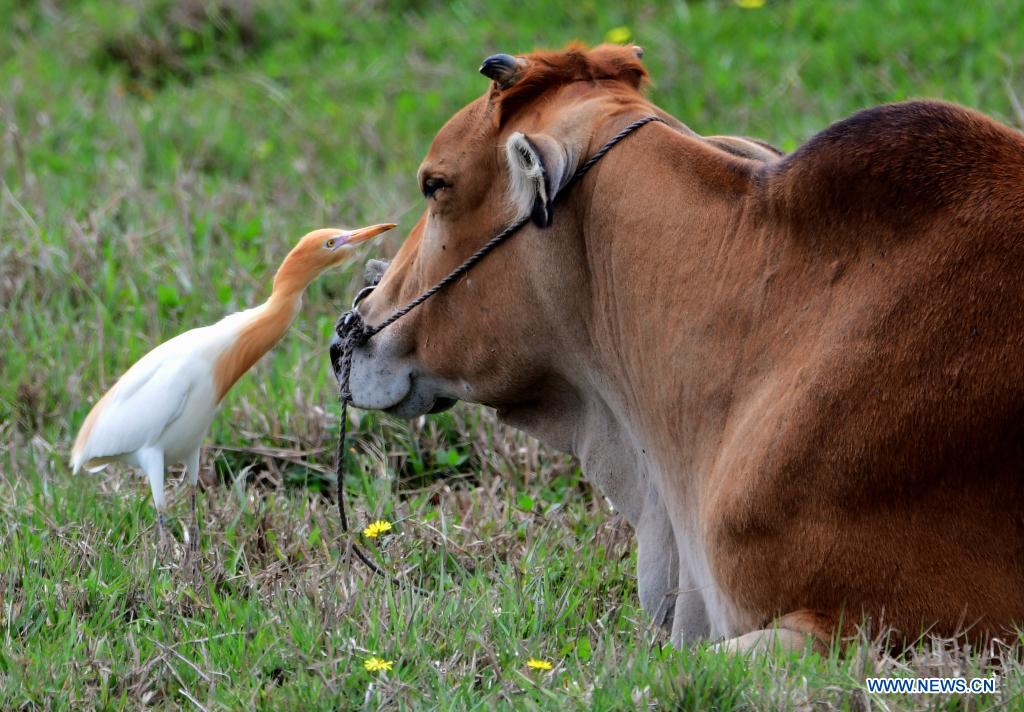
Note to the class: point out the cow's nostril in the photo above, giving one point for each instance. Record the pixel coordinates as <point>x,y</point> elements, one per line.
<point>441,405</point>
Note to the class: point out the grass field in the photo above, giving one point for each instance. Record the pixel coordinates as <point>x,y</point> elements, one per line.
<point>157,162</point>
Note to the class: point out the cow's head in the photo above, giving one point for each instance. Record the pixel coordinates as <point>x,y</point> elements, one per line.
<point>502,334</point>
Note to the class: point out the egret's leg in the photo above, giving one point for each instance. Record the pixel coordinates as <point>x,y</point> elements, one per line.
<point>152,463</point>
<point>192,467</point>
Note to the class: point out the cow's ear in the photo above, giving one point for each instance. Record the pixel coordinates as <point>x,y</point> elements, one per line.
<point>539,167</point>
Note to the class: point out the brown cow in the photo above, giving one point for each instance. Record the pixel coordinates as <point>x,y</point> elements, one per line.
<point>800,378</point>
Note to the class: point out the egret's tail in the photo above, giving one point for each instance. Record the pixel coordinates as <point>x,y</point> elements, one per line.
<point>80,451</point>
<point>79,463</point>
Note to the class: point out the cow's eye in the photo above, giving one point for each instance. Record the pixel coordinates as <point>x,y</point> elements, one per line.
<point>431,185</point>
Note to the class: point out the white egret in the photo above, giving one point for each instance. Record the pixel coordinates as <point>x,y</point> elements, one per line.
<point>159,411</point>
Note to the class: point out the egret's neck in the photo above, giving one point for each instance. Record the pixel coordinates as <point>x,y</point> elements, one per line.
<point>293,276</point>
<point>272,320</point>
<point>264,328</point>
<point>281,302</point>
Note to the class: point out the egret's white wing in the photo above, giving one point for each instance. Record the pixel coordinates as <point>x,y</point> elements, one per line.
<point>137,410</point>
<point>148,397</point>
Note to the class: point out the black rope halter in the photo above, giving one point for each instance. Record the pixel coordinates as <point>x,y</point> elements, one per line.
<point>353,332</point>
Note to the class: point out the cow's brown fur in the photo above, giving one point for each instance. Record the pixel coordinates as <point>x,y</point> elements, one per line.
<point>815,361</point>
<point>550,70</point>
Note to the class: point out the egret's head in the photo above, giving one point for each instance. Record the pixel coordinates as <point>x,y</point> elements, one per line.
<point>332,246</point>
<point>321,250</point>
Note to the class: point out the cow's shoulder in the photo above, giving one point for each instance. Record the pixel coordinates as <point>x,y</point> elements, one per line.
<point>901,162</point>
<point>753,149</point>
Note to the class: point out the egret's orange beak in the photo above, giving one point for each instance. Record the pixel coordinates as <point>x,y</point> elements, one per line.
<point>354,237</point>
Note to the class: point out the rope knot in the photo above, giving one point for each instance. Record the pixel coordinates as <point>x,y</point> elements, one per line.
<point>351,326</point>
<point>351,332</point>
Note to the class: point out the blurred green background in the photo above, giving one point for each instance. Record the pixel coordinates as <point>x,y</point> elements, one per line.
<point>159,158</point>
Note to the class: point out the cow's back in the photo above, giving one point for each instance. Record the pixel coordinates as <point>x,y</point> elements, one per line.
<point>889,437</point>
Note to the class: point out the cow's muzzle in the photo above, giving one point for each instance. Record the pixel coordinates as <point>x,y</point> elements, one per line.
<point>370,375</point>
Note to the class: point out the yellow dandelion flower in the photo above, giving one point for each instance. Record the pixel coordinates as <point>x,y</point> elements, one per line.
<point>376,529</point>
<point>375,664</point>
<point>618,35</point>
<point>535,664</point>
<point>750,4</point>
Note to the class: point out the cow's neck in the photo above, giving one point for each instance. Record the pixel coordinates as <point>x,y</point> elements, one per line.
<point>676,281</point>
<point>678,277</point>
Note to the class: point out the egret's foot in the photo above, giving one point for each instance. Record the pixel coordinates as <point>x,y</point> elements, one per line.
<point>193,539</point>
<point>192,553</point>
<point>163,540</point>
<point>193,532</point>
<point>190,567</point>
<point>163,552</point>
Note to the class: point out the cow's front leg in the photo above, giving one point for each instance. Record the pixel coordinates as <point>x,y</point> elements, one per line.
<point>690,618</point>
<point>620,471</point>
<point>657,563</point>
<point>666,591</point>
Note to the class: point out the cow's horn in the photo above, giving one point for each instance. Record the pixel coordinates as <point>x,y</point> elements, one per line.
<point>503,68</point>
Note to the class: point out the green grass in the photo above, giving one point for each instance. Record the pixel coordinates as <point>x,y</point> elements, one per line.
<point>158,162</point>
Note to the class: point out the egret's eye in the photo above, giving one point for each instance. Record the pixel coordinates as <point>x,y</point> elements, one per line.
<point>432,185</point>
<point>330,243</point>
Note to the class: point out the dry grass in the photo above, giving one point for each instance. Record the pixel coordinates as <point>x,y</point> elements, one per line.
<point>281,597</point>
